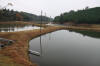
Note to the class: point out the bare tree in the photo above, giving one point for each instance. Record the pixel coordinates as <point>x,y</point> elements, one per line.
<point>9,4</point>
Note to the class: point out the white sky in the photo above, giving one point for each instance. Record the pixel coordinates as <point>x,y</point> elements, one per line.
<point>51,7</point>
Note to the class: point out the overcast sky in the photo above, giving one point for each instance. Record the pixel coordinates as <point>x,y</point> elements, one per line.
<point>51,7</point>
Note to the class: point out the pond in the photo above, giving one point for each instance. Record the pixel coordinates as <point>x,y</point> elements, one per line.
<point>13,28</point>
<point>67,48</point>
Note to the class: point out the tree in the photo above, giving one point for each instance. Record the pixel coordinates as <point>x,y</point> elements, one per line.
<point>3,7</point>
<point>19,17</point>
<point>61,19</point>
<point>87,16</point>
<point>11,15</point>
<point>87,8</point>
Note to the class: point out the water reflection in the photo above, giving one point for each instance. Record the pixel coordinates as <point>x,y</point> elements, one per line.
<point>87,33</point>
<point>65,48</point>
<point>14,28</point>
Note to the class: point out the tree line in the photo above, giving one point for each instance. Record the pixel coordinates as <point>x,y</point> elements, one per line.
<point>85,16</point>
<point>11,15</point>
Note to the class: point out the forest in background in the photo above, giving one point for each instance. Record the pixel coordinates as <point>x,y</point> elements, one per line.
<point>85,16</point>
<point>11,15</point>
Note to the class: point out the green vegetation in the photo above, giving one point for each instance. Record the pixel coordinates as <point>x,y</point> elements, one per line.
<point>85,16</point>
<point>10,15</point>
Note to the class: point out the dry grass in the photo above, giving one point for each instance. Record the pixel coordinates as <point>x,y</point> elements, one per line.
<point>7,61</point>
<point>21,23</point>
<point>19,50</point>
<point>93,28</point>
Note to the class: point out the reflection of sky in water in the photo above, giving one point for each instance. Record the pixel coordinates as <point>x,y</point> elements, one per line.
<point>14,29</point>
<point>65,48</point>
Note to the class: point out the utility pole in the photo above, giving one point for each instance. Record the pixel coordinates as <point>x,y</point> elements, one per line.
<point>41,22</point>
<point>45,17</point>
<point>35,52</point>
<point>50,19</point>
<point>41,34</point>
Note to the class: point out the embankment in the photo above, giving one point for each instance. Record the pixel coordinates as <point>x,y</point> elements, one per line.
<point>18,52</point>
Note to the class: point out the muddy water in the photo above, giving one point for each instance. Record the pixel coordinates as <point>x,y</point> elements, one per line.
<point>67,48</point>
